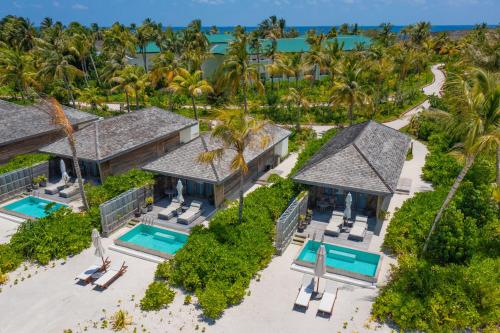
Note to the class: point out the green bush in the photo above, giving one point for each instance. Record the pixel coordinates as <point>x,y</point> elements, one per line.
<point>22,161</point>
<point>10,259</point>
<point>115,185</point>
<point>218,262</point>
<point>158,295</point>
<point>163,271</point>
<point>441,169</point>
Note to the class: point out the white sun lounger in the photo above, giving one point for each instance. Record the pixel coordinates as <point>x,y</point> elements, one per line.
<point>171,210</point>
<point>87,275</point>
<point>328,299</point>
<point>305,291</point>
<point>110,276</point>
<point>191,214</point>
<point>54,188</point>
<point>334,225</point>
<point>359,228</point>
<point>69,191</point>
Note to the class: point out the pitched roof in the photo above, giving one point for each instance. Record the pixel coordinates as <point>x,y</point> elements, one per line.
<point>300,44</point>
<point>111,137</point>
<point>183,161</point>
<point>367,157</point>
<point>18,122</point>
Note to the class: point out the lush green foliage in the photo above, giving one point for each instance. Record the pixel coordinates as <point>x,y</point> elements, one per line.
<point>158,295</point>
<point>299,137</point>
<point>22,161</point>
<point>218,262</point>
<point>115,185</point>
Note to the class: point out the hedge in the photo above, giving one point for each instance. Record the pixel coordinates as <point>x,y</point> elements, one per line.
<point>23,161</point>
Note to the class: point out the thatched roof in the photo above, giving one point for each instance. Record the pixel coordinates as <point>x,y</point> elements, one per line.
<point>183,161</point>
<point>108,138</point>
<point>366,157</point>
<point>19,122</point>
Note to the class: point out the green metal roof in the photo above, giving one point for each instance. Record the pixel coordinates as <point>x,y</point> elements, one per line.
<point>299,44</point>
<point>220,44</point>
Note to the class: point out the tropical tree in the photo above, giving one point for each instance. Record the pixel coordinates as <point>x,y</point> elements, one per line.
<point>127,80</point>
<point>163,72</point>
<point>239,72</point>
<point>191,84</point>
<point>17,70</point>
<point>385,36</point>
<point>346,88</point>
<point>299,98</point>
<point>92,96</point>
<point>476,123</point>
<point>292,65</point>
<point>145,34</point>
<point>236,132</point>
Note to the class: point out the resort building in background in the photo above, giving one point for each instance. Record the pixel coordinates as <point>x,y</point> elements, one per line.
<point>219,47</point>
<point>114,145</point>
<point>25,129</point>
<point>216,181</point>
<point>365,160</point>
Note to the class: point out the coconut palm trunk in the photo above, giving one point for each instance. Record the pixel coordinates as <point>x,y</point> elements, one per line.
<point>95,70</point>
<point>351,107</point>
<point>498,165</point>
<point>241,198</point>
<point>128,100</point>
<point>468,164</point>
<point>194,108</point>
<point>78,172</point>
<point>68,88</point>
<point>245,102</point>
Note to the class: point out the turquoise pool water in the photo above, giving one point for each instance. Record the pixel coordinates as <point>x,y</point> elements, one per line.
<point>32,206</point>
<point>342,258</point>
<point>154,238</point>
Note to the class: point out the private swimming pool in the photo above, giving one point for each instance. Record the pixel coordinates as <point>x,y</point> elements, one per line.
<point>33,207</point>
<point>153,240</point>
<point>342,260</point>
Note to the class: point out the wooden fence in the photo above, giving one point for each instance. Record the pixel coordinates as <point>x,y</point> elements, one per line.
<point>288,222</point>
<point>17,181</point>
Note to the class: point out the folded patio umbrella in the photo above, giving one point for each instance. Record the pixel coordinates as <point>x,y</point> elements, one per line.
<point>99,249</point>
<point>179,191</point>
<point>348,202</point>
<point>320,267</point>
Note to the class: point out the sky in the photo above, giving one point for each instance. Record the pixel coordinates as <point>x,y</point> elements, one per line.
<point>250,13</point>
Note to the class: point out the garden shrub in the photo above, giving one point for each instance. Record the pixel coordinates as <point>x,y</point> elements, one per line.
<point>212,300</point>
<point>163,271</point>
<point>441,169</point>
<point>23,161</point>
<point>158,295</point>
<point>10,259</point>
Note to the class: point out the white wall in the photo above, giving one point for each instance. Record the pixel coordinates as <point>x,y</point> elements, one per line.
<point>281,149</point>
<point>189,133</point>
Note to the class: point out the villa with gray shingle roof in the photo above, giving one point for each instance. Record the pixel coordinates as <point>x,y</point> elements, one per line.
<point>364,159</point>
<point>24,129</point>
<point>215,181</point>
<point>114,145</point>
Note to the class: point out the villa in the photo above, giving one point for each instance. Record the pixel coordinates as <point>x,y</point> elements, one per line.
<point>365,160</point>
<point>114,145</point>
<point>25,129</point>
<point>219,46</point>
<point>215,181</point>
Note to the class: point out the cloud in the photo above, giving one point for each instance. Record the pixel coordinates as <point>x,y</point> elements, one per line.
<point>209,2</point>
<point>79,6</point>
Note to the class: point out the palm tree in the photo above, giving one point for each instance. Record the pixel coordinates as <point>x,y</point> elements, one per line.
<point>292,65</point>
<point>347,88</point>
<point>192,85</point>
<point>126,80</point>
<point>299,98</point>
<point>385,36</point>
<point>145,34</point>
<point>476,122</point>
<point>239,72</point>
<point>163,72</point>
<point>237,132</point>
<point>17,69</point>
<point>92,96</point>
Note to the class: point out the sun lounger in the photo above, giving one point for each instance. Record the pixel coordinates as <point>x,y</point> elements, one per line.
<point>358,229</point>
<point>88,274</point>
<point>328,299</point>
<point>54,188</point>
<point>70,191</point>
<point>335,224</point>
<point>305,291</point>
<point>191,214</point>
<point>171,210</point>
<point>110,276</point>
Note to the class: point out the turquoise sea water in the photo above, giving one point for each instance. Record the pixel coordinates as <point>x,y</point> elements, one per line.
<point>32,206</point>
<point>342,258</point>
<point>154,238</point>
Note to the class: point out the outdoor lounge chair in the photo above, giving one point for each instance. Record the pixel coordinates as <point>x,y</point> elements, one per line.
<point>54,188</point>
<point>70,191</point>
<point>171,210</point>
<point>359,228</point>
<point>335,223</point>
<point>89,274</point>
<point>191,214</point>
<point>305,291</point>
<point>328,299</point>
<point>110,276</point>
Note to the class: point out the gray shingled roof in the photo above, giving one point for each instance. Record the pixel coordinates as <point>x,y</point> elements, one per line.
<point>19,122</point>
<point>366,157</point>
<point>120,134</point>
<point>183,162</point>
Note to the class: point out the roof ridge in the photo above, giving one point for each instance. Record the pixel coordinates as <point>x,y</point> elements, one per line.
<point>371,166</point>
<point>211,162</point>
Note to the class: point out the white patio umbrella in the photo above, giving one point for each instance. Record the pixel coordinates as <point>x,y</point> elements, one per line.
<point>62,167</point>
<point>320,267</point>
<point>99,249</point>
<point>348,202</point>
<point>179,191</point>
